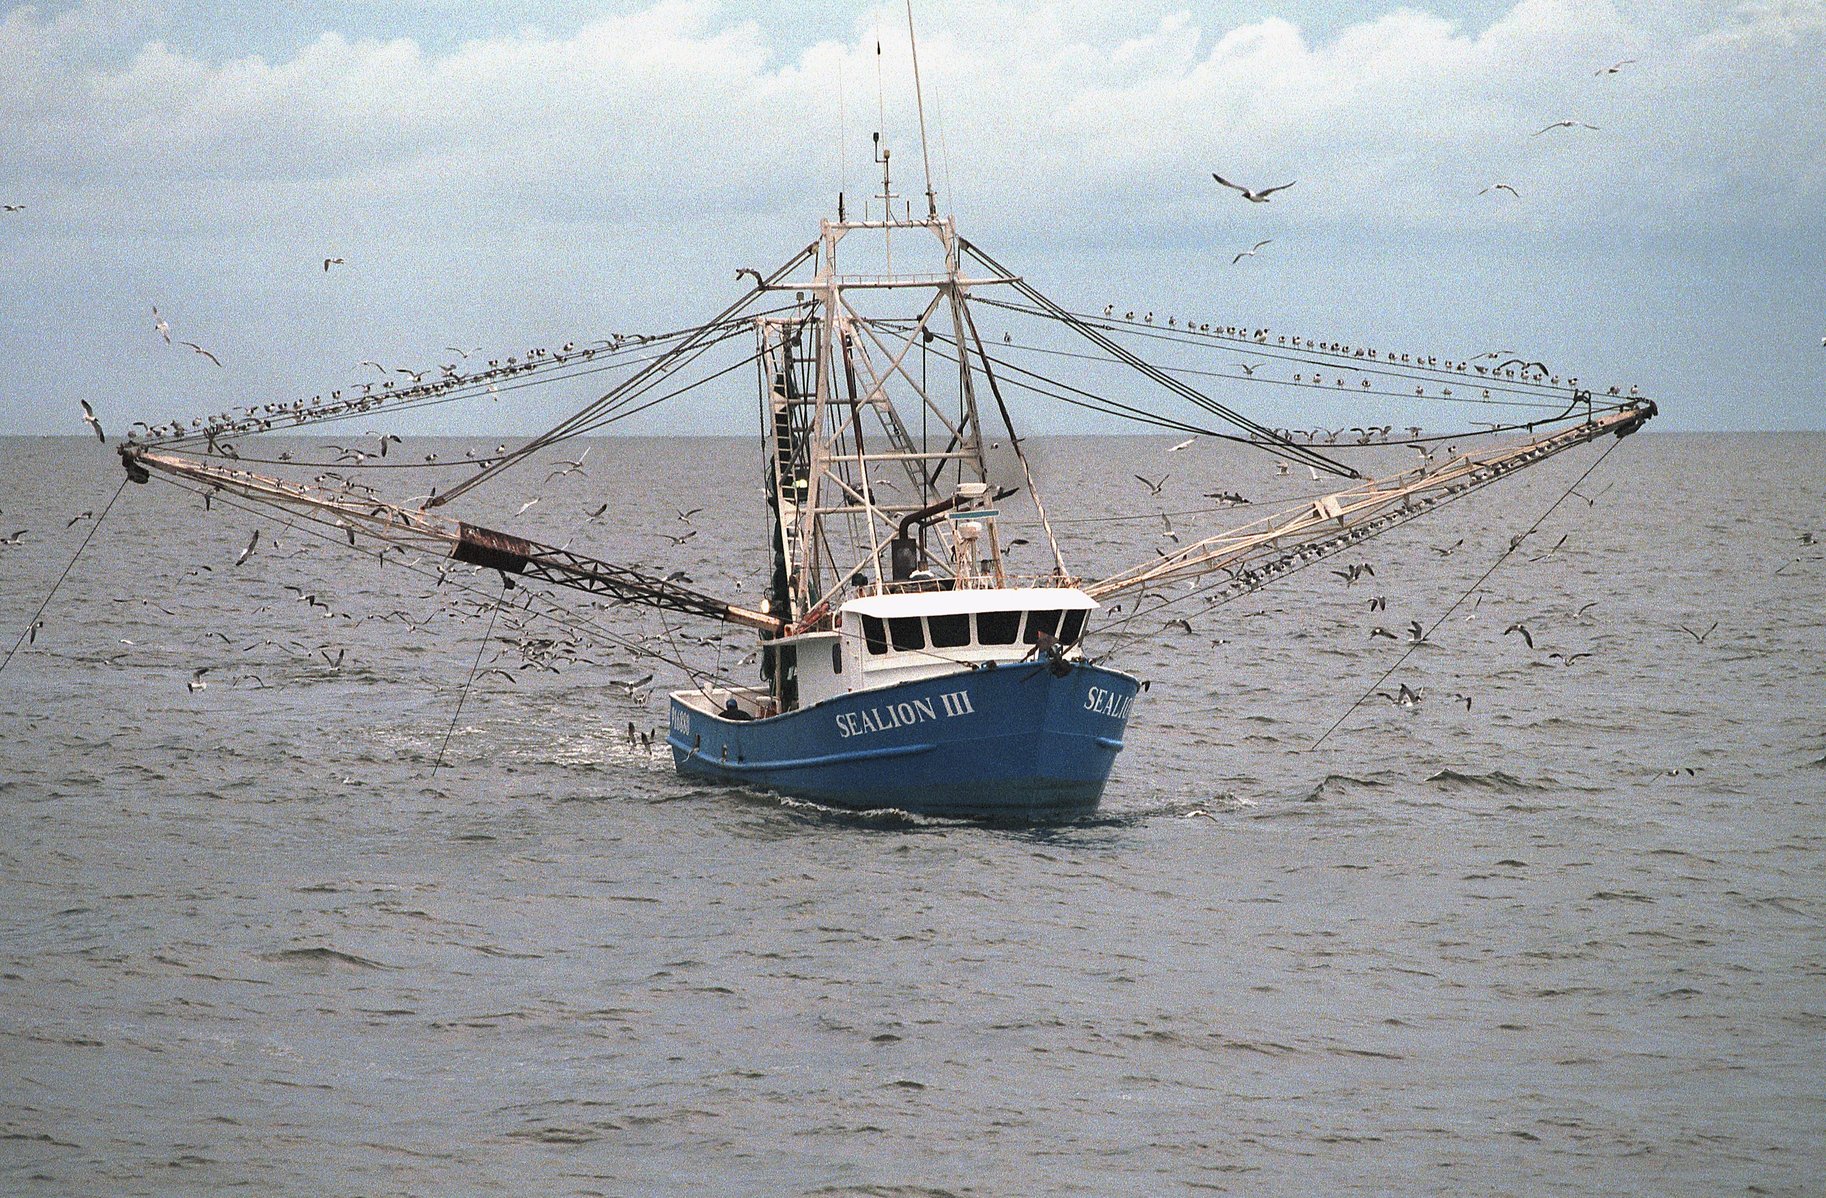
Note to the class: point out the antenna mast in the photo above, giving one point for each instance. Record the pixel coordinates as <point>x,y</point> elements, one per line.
<point>920,99</point>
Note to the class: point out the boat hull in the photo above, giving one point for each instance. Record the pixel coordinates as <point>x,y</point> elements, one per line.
<point>1015,744</point>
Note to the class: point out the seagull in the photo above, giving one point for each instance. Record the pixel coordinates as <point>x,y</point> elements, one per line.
<point>1614,68</point>
<point>1405,697</point>
<point>686,515</point>
<point>1416,633</point>
<point>1567,658</point>
<point>679,540</point>
<point>570,468</point>
<point>1698,636</point>
<point>597,514</point>
<point>249,551</point>
<point>1254,197</point>
<point>199,349</point>
<point>80,516</point>
<point>1523,629</point>
<point>1379,630</point>
<point>1466,699</point>
<point>329,262</point>
<point>1181,445</point>
<point>12,207</point>
<point>749,270</point>
<point>196,682</point>
<point>524,506</point>
<point>1501,187</point>
<point>1562,125</point>
<point>88,418</point>
<point>159,325</point>
<point>1250,253</point>
<point>1153,487</point>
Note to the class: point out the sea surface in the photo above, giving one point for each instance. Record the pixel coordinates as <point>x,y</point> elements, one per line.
<point>1570,939</point>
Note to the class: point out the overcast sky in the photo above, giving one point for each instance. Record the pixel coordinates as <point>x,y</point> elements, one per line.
<point>515,173</point>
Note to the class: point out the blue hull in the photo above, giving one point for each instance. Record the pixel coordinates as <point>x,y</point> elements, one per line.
<point>1013,744</point>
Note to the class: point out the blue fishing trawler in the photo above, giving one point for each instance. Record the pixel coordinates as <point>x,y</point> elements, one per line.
<point>970,703</point>
<point>905,660</point>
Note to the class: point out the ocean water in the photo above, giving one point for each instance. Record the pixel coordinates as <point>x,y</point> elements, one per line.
<point>1568,940</point>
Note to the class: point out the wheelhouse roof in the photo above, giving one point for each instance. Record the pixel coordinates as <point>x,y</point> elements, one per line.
<point>946,603</point>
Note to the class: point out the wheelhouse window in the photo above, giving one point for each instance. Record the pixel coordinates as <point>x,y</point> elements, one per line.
<point>998,627</point>
<point>950,632</point>
<point>1072,627</point>
<point>907,632</point>
<point>875,634</point>
<point>1041,621</point>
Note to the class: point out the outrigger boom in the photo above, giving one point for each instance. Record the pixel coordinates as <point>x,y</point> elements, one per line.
<point>463,542</point>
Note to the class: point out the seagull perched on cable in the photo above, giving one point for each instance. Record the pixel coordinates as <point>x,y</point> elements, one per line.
<point>88,418</point>
<point>1562,125</point>
<point>1255,249</point>
<point>1254,197</point>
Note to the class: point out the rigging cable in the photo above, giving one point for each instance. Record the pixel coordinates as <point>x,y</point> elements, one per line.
<point>1300,452</point>
<point>33,622</point>
<point>1514,544</point>
<point>473,667</point>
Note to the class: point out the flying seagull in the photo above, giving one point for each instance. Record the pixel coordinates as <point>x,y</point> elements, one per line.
<point>159,325</point>
<point>1153,487</point>
<point>1562,125</point>
<point>1250,253</point>
<point>12,207</point>
<point>1614,68</point>
<point>1182,445</point>
<point>1501,187</point>
<point>1699,636</point>
<point>1254,197</point>
<point>249,551</point>
<point>88,418</point>
<point>199,349</point>
<point>329,262</point>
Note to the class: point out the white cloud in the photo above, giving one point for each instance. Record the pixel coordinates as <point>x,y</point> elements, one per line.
<point>675,111</point>
<point>515,180</point>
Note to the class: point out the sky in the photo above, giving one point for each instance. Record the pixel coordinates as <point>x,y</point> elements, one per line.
<point>512,174</point>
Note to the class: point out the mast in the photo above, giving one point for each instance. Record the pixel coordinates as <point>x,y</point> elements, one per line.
<point>846,478</point>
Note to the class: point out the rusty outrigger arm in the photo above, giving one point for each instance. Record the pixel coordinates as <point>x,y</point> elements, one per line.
<point>463,542</point>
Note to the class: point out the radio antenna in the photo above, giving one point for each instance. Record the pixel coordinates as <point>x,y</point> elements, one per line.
<point>920,99</point>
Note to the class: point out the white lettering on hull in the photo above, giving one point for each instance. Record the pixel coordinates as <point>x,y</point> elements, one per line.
<point>1109,703</point>
<point>885,717</point>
